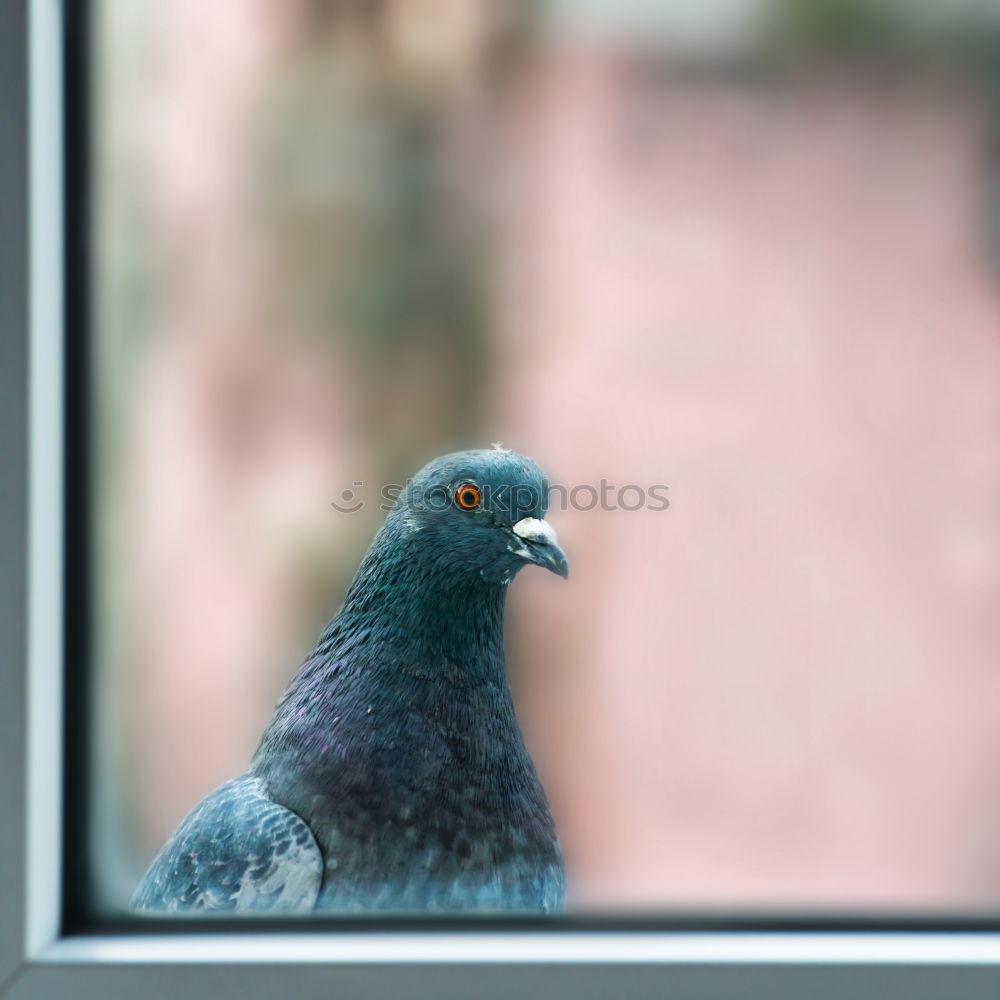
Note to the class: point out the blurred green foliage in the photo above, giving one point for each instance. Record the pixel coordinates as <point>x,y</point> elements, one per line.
<point>834,26</point>
<point>960,39</point>
<point>375,247</point>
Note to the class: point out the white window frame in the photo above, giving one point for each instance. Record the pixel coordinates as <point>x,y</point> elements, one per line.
<point>37,960</point>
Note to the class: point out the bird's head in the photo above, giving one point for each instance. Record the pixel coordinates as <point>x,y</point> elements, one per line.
<point>480,512</point>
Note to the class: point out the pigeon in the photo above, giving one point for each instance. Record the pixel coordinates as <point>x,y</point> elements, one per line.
<point>393,775</point>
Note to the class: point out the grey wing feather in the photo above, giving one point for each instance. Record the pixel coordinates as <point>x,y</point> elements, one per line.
<point>237,850</point>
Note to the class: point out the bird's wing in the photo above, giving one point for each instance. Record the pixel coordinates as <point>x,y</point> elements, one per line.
<point>237,850</point>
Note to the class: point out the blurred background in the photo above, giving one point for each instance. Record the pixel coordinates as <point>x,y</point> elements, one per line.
<point>747,249</point>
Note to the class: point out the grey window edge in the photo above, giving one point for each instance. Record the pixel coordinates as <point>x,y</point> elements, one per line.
<point>13,474</point>
<point>35,962</point>
<point>445,982</point>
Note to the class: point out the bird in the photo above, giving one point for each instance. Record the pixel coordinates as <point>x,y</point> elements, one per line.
<point>393,774</point>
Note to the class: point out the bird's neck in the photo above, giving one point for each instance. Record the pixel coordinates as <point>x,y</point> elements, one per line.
<point>408,609</point>
<point>412,661</point>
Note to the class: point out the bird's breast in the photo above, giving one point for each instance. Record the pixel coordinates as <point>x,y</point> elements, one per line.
<point>427,819</point>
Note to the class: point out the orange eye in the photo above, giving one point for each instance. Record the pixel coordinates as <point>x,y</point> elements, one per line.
<point>467,496</point>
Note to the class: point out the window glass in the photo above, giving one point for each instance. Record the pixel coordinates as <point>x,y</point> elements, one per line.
<point>726,270</point>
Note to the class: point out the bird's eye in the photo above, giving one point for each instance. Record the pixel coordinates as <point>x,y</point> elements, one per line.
<point>467,496</point>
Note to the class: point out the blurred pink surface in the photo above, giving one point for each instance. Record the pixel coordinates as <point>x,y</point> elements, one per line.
<point>784,689</point>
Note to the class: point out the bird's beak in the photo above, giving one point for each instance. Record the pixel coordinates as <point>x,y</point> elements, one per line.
<point>540,545</point>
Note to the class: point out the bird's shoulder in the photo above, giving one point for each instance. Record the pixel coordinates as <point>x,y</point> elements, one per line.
<point>237,850</point>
